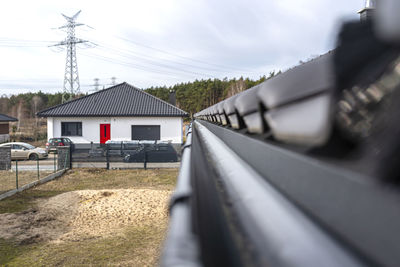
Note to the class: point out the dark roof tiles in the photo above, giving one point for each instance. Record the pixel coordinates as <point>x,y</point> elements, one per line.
<point>4,118</point>
<point>120,100</point>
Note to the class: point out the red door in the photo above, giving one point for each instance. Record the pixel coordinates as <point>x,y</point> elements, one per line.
<point>104,133</point>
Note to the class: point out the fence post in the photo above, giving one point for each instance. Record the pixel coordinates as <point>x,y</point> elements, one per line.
<point>145,157</point>
<point>63,157</point>
<point>16,173</point>
<point>107,157</point>
<point>54,160</point>
<point>70,157</point>
<point>65,160</point>
<point>37,166</point>
<point>5,158</point>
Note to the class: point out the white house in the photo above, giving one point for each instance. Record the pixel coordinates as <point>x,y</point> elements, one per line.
<point>121,112</point>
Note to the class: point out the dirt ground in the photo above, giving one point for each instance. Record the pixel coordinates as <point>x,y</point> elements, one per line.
<point>128,223</point>
<point>78,215</point>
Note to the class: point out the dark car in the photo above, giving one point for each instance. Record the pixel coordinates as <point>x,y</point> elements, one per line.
<point>53,143</point>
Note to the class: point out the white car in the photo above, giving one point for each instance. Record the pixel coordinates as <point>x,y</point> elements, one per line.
<point>21,150</point>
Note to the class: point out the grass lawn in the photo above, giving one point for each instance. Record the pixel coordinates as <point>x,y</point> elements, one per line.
<point>132,246</point>
<point>8,178</point>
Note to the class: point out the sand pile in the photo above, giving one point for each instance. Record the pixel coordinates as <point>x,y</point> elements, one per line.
<point>85,214</point>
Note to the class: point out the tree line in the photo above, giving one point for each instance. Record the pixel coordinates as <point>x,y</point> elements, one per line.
<point>27,104</point>
<point>200,94</point>
<point>190,96</point>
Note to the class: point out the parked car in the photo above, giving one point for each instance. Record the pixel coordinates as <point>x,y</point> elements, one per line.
<point>53,143</point>
<point>21,150</point>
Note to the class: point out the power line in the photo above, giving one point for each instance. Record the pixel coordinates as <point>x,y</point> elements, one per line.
<point>176,55</point>
<point>147,58</point>
<point>165,66</point>
<point>135,66</point>
<point>18,46</point>
<point>2,39</point>
<point>224,67</point>
<point>44,80</point>
<point>214,67</point>
<point>8,42</point>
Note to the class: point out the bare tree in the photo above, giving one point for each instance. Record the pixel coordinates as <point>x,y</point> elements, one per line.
<point>21,110</point>
<point>237,87</point>
<point>37,102</point>
<point>3,104</point>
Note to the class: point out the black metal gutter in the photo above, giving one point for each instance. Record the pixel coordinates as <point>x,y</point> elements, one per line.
<point>360,211</point>
<point>280,234</point>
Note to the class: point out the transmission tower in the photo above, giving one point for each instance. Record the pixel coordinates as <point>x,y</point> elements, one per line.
<point>96,84</point>
<point>71,77</point>
<point>113,81</point>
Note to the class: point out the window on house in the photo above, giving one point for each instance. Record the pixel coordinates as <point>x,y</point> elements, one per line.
<point>71,128</point>
<point>145,132</point>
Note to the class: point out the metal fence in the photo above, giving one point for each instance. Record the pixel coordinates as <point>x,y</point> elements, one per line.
<point>125,153</point>
<point>16,174</point>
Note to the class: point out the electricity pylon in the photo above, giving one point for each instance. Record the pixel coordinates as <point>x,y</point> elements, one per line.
<point>113,80</point>
<point>96,84</point>
<point>71,77</point>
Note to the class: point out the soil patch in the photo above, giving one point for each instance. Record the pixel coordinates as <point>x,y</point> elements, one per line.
<point>85,214</point>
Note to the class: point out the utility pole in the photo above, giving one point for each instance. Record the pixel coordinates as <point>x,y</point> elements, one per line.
<point>71,77</point>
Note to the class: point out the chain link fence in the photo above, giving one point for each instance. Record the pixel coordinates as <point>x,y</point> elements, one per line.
<point>15,174</point>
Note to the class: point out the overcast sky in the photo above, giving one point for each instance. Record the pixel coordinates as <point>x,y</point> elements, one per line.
<point>163,42</point>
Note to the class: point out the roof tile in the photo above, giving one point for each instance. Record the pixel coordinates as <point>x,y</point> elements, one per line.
<point>4,117</point>
<point>119,100</point>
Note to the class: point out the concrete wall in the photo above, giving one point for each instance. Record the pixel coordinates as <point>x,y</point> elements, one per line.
<point>170,127</point>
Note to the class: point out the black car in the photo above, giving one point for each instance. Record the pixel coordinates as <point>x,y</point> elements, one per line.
<point>53,143</point>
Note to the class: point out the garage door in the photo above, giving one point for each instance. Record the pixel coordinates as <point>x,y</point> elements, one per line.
<point>145,132</point>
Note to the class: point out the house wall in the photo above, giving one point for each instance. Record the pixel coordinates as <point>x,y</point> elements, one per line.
<point>170,127</point>
<point>50,128</point>
<point>4,128</point>
<point>4,132</point>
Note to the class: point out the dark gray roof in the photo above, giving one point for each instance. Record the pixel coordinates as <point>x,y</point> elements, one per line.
<point>4,117</point>
<point>120,100</point>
